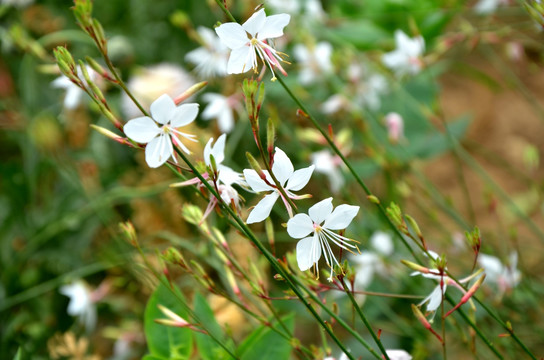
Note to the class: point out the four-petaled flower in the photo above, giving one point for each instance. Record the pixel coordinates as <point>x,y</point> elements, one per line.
<point>319,223</point>
<point>211,58</point>
<point>249,40</point>
<point>159,138</point>
<point>406,58</point>
<point>288,178</point>
<point>505,276</point>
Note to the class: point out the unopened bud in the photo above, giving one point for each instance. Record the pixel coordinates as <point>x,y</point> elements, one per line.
<point>190,92</point>
<point>270,136</point>
<point>468,295</point>
<point>191,213</point>
<point>423,320</point>
<point>254,164</point>
<point>173,256</point>
<point>97,67</point>
<point>416,267</point>
<point>202,277</point>
<point>278,277</point>
<point>373,199</point>
<point>128,231</point>
<point>65,61</point>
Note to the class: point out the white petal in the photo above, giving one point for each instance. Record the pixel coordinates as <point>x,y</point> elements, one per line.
<point>142,129</point>
<point>158,151</point>
<point>398,355</point>
<point>254,180</point>
<point>395,59</point>
<point>273,26</point>
<point>282,167</point>
<point>300,226</point>
<point>255,23</point>
<point>225,121</point>
<point>183,115</point>
<point>382,242</point>
<point>341,217</point>
<point>435,299</point>
<point>217,150</point>
<point>300,178</point>
<point>241,60</point>
<point>301,53</point>
<point>232,35</point>
<point>320,211</point>
<point>262,210</point>
<point>217,104</point>
<point>492,266</point>
<point>162,109</point>
<point>73,97</point>
<point>308,252</point>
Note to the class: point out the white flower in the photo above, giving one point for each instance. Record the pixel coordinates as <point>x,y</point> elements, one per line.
<point>406,58</point>
<point>370,262</point>
<point>484,7</point>
<point>319,223</point>
<point>210,59</point>
<point>221,108</point>
<point>74,93</point>
<point>395,126</point>
<point>81,303</point>
<point>151,82</point>
<point>313,62</point>
<point>505,276</point>
<point>311,9</point>
<point>288,178</point>
<point>398,355</point>
<point>329,164</point>
<point>160,137</point>
<point>249,40</point>
<point>226,175</point>
<point>335,103</point>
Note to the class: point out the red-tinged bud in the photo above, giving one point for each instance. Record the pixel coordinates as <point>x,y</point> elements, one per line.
<point>301,113</point>
<point>112,135</point>
<point>331,133</point>
<point>128,231</point>
<point>190,92</point>
<point>423,320</point>
<point>468,295</point>
<point>416,267</point>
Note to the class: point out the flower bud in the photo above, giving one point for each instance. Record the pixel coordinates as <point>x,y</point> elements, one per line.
<point>173,256</point>
<point>190,92</point>
<point>128,231</point>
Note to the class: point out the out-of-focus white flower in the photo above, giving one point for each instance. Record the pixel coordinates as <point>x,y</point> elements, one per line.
<point>74,94</point>
<point>329,164</point>
<point>222,108</point>
<point>81,304</point>
<point>398,355</point>
<point>160,131</point>
<point>289,179</point>
<point>320,222</point>
<point>211,58</point>
<point>395,126</point>
<point>484,7</point>
<point>370,262</point>
<point>505,276</point>
<point>311,9</point>
<point>335,103</point>
<point>151,82</point>
<point>406,58</point>
<point>314,62</point>
<point>250,40</point>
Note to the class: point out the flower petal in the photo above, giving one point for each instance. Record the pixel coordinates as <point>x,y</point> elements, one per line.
<point>300,226</point>
<point>282,167</point>
<point>217,151</point>
<point>142,129</point>
<point>308,252</point>
<point>341,217</point>
<point>300,178</point>
<point>273,26</point>
<point>262,210</point>
<point>158,151</point>
<point>241,60</point>
<point>320,211</point>
<point>435,298</point>
<point>254,180</point>
<point>255,23</point>
<point>183,115</point>
<point>162,109</point>
<point>232,35</point>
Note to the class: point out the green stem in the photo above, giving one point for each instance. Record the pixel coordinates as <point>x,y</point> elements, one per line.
<point>363,317</point>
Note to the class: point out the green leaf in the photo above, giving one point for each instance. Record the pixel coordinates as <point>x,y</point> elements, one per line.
<point>361,33</point>
<point>208,348</point>
<point>266,344</point>
<point>19,355</point>
<point>166,342</point>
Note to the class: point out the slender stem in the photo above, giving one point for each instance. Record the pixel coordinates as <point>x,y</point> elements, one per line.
<point>277,267</point>
<point>363,317</point>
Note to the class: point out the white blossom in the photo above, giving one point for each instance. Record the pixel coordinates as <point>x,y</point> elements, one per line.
<point>329,164</point>
<point>288,178</point>
<point>250,40</point>
<point>160,131</point>
<point>505,276</point>
<point>211,58</point>
<point>319,223</point>
<point>74,94</point>
<point>484,7</point>
<point>370,262</point>
<point>398,355</point>
<point>406,58</point>
<point>81,304</point>
<point>313,62</point>
<point>222,108</point>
